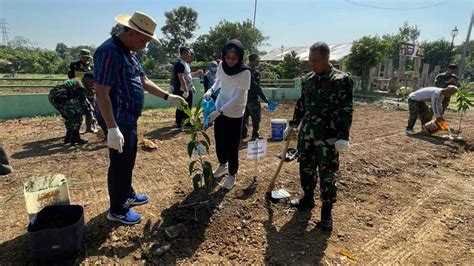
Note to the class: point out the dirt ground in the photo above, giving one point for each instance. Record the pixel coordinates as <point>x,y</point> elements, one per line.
<point>400,200</point>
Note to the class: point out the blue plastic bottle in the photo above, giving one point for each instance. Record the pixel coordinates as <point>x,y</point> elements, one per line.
<point>208,106</point>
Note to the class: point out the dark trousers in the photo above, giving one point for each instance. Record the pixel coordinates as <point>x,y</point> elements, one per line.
<point>252,110</point>
<point>227,132</point>
<point>180,115</point>
<point>418,109</point>
<point>119,177</point>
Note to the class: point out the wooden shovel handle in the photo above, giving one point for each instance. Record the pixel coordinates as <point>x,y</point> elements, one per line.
<point>283,157</point>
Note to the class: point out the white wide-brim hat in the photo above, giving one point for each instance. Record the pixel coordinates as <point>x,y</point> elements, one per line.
<point>140,22</point>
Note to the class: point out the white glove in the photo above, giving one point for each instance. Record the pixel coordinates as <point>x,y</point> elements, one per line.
<point>115,139</point>
<point>213,116</point>
<point>288,131</point>
<point>208,94</point>
<point>186,94</point>
<point>341,145</point>
<point>176,100</point>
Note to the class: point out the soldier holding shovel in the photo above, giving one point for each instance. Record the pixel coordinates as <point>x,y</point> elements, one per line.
<point>325,113</point>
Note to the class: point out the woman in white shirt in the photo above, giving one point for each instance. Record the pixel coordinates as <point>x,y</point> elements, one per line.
<point>233,78</point>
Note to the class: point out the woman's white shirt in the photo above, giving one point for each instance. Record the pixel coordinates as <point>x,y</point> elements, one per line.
<point>232,98</point>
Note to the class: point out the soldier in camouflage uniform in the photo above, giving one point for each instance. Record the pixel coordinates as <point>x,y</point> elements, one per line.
<point>69,98</point>
<point>325,113</point>
<point>253,108</point>
<point>443,80</point>
<point>77,70</point>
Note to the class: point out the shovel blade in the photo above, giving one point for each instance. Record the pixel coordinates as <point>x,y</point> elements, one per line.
<point>280,194</point>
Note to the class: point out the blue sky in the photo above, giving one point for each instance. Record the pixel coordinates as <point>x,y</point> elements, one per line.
<point>286,22</point>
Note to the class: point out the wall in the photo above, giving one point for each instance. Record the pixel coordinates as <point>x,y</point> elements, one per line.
<point>30,105</point>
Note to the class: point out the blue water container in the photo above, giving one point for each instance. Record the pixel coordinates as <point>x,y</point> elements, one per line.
<point>208,106</point>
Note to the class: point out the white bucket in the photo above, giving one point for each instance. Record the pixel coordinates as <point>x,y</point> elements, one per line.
<point>44,191</point>
<point>278,127</point>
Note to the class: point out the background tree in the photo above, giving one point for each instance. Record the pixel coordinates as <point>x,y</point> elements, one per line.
<point>437,53</point>
<point>48,61</point>
<point>180,24</point>
<point>202,50</point>
<point>290,67</point>
<point>366,53</point>
<point>392,42</point>
<point>19,42</point>
<point>212,44</point>
<point>61,49</point>
<point>157,51</point>
<point>268,71</point>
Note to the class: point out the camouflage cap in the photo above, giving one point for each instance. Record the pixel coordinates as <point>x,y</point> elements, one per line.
<point>85,53</point>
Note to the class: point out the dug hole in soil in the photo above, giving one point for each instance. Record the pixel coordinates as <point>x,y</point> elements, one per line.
<point>400,200</point>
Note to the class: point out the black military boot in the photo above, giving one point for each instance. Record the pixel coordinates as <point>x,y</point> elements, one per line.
<point>76,138</point>
<point>326,217</point>
<point>91,125</point>
<point>304,203</point>
<point>67,138</point>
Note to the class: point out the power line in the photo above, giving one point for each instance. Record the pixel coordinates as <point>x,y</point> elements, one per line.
<point>396,8</point>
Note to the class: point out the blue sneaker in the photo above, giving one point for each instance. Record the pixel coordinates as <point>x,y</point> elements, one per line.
<point>139,199</point>
<point>129,217</point>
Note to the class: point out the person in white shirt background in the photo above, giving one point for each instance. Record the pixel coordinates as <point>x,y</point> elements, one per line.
<point>418,108</point>
<point>233,78</point>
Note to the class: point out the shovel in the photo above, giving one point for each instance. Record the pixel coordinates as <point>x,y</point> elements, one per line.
<point>280,193</point>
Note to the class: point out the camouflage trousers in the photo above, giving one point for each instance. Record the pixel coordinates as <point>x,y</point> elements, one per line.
<point>254,110</point>
<point>417,110</point>
<point>318,161</point>
<point>70,109</point>
<point>90,113</point>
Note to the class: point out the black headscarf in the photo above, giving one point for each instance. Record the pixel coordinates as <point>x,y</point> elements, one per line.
<point>236,45</point>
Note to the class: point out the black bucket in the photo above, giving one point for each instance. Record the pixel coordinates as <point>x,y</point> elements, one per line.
<point>56,232</point>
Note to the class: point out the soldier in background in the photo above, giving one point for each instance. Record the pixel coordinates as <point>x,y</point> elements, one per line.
<point>253,108</point>
<point>69,98</point>
<point>443,80</point>
<point>324,111</point>
<point>77,70</point>
<point>449,77</point>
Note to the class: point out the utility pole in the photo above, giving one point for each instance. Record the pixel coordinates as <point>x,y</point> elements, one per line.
<point>3,26</point>
<point>466,44</point>
<point>254,13</point>
<point>454,32</point>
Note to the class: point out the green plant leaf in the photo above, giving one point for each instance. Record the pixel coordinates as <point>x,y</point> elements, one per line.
<point>197,124</point>
<point>196,180</point>
<point>185,121</point>
<point>193,136</point>
<point>205,144</point>
<point>191,147</point>
<point>207,169</point>
<point>207,181</point>
<point>206,136</point>
<point>197,111</point>
<point>191,167</point>
<point>187,111</point>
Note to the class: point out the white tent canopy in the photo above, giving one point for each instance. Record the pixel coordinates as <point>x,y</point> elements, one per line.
<point>337,52</point>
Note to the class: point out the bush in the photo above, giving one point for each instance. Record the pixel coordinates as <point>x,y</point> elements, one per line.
<point>403,92</point>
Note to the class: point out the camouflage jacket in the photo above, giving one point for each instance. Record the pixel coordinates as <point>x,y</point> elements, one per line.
<point>442,80</point>
<point>71,89</point>
<point>78,69</point>
<point>325,106</point>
